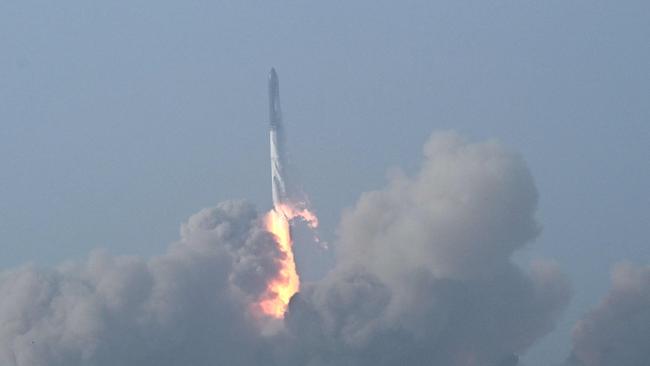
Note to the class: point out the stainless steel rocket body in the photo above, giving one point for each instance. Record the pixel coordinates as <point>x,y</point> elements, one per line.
<point>276,134</point>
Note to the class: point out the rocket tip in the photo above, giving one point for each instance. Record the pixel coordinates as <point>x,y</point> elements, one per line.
<point>272,73</point>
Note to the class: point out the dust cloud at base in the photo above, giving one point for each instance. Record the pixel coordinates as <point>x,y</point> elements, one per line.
<point>424,276</point>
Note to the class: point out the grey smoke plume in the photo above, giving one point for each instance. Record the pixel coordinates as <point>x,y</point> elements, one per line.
<point>186,307</point>
<point>424,277</point>
<point>617,331</point>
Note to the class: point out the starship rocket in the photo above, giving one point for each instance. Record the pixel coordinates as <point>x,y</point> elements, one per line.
<point>278,182</point>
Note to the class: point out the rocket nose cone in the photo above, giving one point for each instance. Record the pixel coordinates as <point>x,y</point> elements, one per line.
<point>273,76</point>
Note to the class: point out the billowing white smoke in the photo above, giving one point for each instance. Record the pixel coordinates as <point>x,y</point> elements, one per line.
<point>617,331</point>
<point>424,273</point>
<point>424,277</point>
<point>186,307</point>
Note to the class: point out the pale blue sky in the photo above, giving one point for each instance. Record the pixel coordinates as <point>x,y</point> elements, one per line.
<point>119,119</point>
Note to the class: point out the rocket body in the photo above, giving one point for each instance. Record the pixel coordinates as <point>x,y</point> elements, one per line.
<point>276,134</point>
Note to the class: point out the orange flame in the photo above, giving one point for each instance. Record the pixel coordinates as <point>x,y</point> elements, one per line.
<point>286,283</point>
<point>281,288</point>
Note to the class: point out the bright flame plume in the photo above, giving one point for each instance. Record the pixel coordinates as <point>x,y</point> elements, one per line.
<point>280,289</point>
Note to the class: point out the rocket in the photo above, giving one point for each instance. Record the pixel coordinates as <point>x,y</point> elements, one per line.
<point>276,132</point>
<point>288,201</point>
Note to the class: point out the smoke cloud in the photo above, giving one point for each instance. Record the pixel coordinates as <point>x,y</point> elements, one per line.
<point>424,273</point>
<point>424,276</point>
<point>617,331</point>
<point>186,307</point>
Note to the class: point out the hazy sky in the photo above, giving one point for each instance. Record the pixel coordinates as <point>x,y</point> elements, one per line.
<point>119,119</point>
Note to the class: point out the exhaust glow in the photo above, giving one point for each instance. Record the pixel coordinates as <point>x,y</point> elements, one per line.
<point>287,282</point>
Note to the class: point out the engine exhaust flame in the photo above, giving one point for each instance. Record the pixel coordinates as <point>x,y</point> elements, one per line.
<point>287,282</point>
